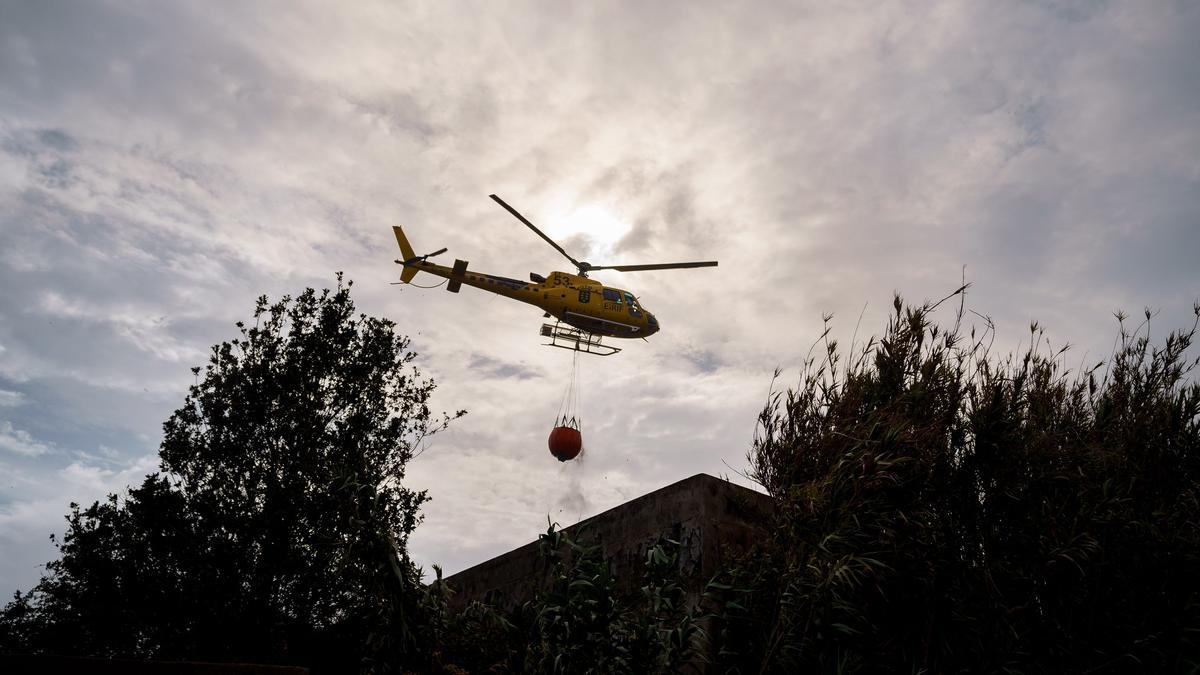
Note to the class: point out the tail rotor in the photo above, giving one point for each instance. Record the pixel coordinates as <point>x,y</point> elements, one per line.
<point>410,258</point>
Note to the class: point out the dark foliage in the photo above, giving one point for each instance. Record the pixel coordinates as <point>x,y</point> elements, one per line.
<point>580,621</point>
<point>943,510</point>
<point>277,529</point>
<point>940,509</point>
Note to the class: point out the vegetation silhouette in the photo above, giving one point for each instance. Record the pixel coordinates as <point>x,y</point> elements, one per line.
<point>944,510</point>
<point>579,621</point>
<point>276,530</point>
<point>939,509</point>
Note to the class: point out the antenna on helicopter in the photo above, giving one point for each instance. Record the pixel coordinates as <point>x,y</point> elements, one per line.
<point>585,267</point>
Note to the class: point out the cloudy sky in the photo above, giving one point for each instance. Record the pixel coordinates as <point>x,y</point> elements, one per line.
<point>162,164</point>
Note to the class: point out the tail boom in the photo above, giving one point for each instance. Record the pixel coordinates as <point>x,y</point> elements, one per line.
<point>407,255</point>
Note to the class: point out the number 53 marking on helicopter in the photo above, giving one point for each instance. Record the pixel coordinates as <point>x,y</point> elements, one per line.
<point>590,310</point>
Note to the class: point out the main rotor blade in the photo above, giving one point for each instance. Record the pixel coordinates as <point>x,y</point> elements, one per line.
<point>541,234</point>
<point>660,266</point>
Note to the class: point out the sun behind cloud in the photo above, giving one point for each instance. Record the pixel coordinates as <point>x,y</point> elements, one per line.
<point>595,223</point>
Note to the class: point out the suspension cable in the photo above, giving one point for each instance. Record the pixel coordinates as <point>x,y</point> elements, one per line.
<point>568,408</point>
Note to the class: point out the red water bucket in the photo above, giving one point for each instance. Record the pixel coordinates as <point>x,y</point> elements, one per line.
<point>565,443</point>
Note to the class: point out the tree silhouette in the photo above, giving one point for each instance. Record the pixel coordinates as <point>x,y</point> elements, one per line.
<point>277,528</point>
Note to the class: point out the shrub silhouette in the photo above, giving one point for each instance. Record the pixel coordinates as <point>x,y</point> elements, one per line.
<point>942,510</point>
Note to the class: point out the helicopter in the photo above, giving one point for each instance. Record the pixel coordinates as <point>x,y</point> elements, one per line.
<point>590,310</point>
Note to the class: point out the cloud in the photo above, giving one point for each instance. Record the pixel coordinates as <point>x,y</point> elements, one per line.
<point>34,500</point>
<point>10,399</point>
<point>490,367</point>
<point>21,442</point>
<point>101,479</point>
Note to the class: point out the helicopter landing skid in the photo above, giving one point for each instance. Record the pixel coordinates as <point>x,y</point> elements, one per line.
<point>567,337</point>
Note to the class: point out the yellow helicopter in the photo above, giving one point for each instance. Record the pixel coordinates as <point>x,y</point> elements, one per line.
<point>590,310</point>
